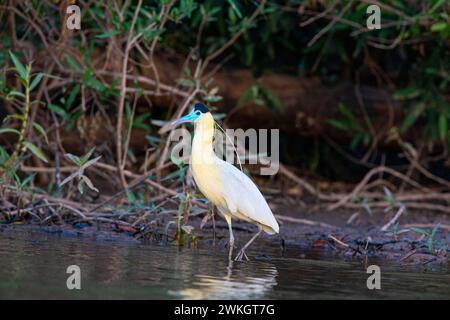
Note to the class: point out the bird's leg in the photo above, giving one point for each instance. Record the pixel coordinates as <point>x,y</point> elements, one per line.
<point>230,254</point>
<point>242,251</point>
<point>214,225</point>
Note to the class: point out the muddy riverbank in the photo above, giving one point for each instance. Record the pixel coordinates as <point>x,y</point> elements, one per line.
<point>343,234</point>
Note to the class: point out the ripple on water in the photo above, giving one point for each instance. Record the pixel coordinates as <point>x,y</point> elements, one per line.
<point>33,265</point>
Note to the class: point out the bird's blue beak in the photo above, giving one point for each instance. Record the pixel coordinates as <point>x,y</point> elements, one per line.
<point>191,117</point>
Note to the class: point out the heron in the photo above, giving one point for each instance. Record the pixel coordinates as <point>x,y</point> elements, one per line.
<point>233,193</point>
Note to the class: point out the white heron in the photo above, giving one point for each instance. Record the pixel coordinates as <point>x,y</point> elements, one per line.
<point>233,193</point>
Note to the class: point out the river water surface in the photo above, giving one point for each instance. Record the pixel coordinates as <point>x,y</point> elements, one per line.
<point>33,265</point>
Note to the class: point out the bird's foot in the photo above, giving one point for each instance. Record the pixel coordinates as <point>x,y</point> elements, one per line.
<point>241,255</point>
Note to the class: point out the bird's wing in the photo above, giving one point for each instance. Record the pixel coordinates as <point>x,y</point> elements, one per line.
<point>243,196</point>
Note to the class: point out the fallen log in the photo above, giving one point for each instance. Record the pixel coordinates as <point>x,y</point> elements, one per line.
<point>306,103</point>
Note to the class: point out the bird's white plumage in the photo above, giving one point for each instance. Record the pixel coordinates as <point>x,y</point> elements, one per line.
<point>243,198</point>
<point>231,190</point>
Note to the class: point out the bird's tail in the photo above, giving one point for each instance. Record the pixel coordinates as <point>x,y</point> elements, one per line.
<point>273,229</point>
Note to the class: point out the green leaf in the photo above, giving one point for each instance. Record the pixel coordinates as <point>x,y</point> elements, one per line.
<point>355,141</point>
<point>435,229</point>
<point>436,5</point>
<point>212,98</point>
<point>149,35</point>
<point>412,116</point>
<point>87,155</point>
<point>438,27</point>
<point>19,66</point>
<point>75,159</point>
<point>15,93</point>
<point>27,179</point>
<point>72,96</point>
<point>9,130</point>
<point>272,101</point>
<point>338,124</point>
<point>108,34</point>
<point>430,245</point>
<point>41,130</point>
<point>58,110</point>
<point>13,116</point>
<point>36,80</point>
<point>95,84</point>
<point>420,230</point>
<point>80,186</point>
<point>350,116</point>
<point>366,138</point>
<point>184,82</point>
<point>394,228</point>
<point>232,16</point>
<point>72,63</point>
<point>235,8</point>
<point>388,196</point>
<point>187,6</point>
<point>140,122</point>
<point>130,196</point>
<point>407,93</point>
<point>35,150</point>
<point>52,76</point>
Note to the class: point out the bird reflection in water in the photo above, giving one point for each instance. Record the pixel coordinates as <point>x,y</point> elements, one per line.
<point>252,282</point>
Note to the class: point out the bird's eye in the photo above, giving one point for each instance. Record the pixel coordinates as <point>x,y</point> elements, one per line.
<point>197,113</point>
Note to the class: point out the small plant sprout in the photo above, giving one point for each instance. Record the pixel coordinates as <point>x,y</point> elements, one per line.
<point>183,208</point>
<point>390,199</point>
<point>394,230</point>
<point>392,204</point>
<point>364,202</point>
<point>429,235</point>
<point>82,163</point>
<point>181,221</point>
<point>29,81</point>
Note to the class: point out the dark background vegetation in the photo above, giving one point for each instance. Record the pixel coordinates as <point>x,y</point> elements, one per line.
<point>352,104</point>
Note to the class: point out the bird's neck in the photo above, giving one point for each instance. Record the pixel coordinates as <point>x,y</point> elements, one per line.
<point>202,145</point>
<point>204,162</point>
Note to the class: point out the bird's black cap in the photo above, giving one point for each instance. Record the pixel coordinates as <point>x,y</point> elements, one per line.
<point>201,107</point>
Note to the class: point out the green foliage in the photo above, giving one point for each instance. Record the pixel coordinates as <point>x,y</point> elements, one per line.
<point>35,150</point>
<point>183,229</point>
<point>351,124</point>
<point>364,203</point>
<point>260,96</point>
<point>411,48</point>
<point>82,163</point>
<point>333,50</point>
<point>419,63</point>
<point>29,81</point>
<point>430,236</point>
<point>390,199</point>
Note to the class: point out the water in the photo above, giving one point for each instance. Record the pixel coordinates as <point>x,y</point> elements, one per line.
<point>33,265</point>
